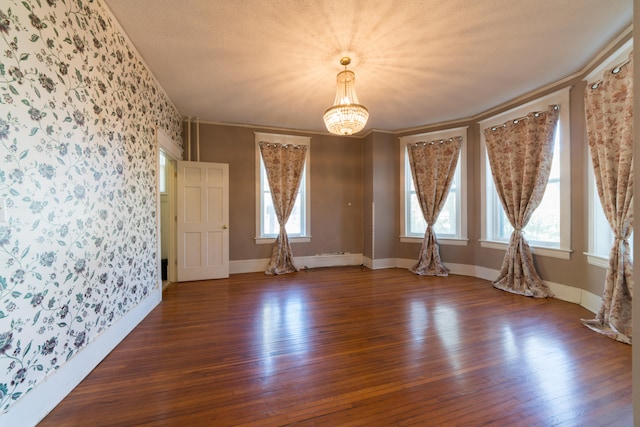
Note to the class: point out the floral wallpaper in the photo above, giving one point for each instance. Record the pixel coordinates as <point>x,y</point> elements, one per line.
<point>78,111</point>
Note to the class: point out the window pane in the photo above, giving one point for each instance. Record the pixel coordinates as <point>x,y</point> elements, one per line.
<point>295,223</point>
<point>163,173</point>
<point>544,225</point>
<point>603,236</point>
<point>555,163</point>
<point>417,224</point>
<point>269,217</point>
<point>446,223</point>
<point>504,226</point>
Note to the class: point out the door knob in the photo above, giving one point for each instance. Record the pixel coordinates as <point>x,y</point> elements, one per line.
<point>225,227</point>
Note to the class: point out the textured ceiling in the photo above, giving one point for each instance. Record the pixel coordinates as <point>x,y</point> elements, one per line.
<point>274,62</point>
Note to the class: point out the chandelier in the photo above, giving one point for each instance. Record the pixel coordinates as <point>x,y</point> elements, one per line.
<point>346,117</point>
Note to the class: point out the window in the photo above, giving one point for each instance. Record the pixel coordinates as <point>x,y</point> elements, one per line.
<point>451,226</point>
<point>267,227</point>
<point>548,230</point>
<point>163,173</point>
<point>600,234</point>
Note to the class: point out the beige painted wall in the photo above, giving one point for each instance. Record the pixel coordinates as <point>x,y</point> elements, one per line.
<point>336,190</point>
<point>385,183</point>
<point>367,195</point>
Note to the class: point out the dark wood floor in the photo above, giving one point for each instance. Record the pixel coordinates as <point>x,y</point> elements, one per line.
<point>350,347</point>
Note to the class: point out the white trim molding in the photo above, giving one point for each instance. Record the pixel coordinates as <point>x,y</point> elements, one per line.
<point>597,260</point>
<point>272,240</point>
<point>302,262</point>
<point>378,264</point>
<point>535,250</point>
<point>448,241</point>
<point>562,292</point>
<point>168,145</point>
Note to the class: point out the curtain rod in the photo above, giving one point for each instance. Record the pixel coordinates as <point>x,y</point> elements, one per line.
<point>614,70</point>
<point>441,141</point>
<point>515,121</point>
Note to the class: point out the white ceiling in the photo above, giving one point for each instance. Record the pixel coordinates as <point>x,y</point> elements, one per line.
<point>417,62</point>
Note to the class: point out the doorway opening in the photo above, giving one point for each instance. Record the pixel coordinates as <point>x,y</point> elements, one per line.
<point>167,192</point>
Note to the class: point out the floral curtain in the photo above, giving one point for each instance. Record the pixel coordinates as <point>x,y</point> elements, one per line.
<point>284,164</point>
<point>609,110</point>
<point>433,166</point>
<point>520,154</point>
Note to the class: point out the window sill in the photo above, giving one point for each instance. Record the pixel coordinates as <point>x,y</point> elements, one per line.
<point>447,241</point>
<point>536,250</point>
<point>272,240</point>
<point>597,260</point>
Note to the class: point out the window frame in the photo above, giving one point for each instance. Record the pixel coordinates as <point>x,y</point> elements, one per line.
<point>262,238</point>
<point>594,255</point>
<point>488,202</point>
<point>405,173</point>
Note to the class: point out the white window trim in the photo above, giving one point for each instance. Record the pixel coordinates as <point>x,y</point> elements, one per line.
<point>448,241</point>
<point>462,240</point>
<point>560,97</point>
<point>616,58</point>
<point>282,139</point>
<point>597,260</point>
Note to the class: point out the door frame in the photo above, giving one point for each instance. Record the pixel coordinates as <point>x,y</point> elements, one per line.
<point>173,152</point>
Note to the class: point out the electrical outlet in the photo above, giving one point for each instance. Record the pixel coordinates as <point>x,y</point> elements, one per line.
<point>3,210</point>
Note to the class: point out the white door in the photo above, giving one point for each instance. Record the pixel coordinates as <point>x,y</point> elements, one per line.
<point>203,218</point>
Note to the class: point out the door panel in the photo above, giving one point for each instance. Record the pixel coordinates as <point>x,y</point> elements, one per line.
<point>203,217</point>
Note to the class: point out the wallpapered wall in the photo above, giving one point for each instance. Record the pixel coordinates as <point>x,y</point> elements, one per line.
<point>78,111</point>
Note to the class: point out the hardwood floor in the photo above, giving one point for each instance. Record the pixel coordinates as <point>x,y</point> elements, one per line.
<point>351,347</point>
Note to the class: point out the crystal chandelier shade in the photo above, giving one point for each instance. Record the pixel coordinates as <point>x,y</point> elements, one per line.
<point>347,116</point>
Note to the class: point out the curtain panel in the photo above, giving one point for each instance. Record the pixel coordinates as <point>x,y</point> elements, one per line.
<point>609,111</point>
<point>284,164</point>
<point>520,154</point>
<point>433,166</point>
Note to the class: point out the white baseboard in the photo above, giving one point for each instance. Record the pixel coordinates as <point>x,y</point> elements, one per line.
<point>472,270</point>
<point>35,405</point>
<point>454,268</point>
<point>367,262</point>
<point>248,265</point>
<point>377,264</point>
<point>562,292</point>
<point>405,263</point>
<point>327,260</point>
<point>313,261</point>
<point>591,302</point>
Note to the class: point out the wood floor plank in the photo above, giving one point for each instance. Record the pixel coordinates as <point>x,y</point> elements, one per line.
<point>352,347</point>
